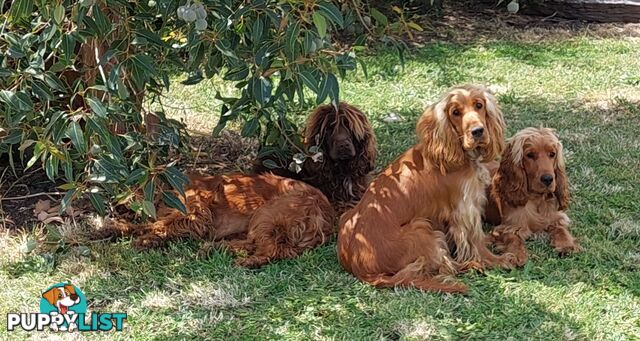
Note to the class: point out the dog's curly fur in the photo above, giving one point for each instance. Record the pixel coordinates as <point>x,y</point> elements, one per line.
<point>420,219</point>
<point>529,194</point>
<point>262,217</point>
<point>349,149</point>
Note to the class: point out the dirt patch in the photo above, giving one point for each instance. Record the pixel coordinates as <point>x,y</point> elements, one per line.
<point>469,21</point>
<point>22,192</point>
<point>227,153</point>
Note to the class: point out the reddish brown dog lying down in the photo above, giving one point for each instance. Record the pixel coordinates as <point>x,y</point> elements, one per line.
<point>529,194</point>
<point>265,216</point>
<point>422,217</point>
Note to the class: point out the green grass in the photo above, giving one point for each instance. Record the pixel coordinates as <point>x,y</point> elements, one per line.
<point>583,87</point>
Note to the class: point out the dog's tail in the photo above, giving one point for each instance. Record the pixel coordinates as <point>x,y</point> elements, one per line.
<point>414,275</point>
<point>437,284</point>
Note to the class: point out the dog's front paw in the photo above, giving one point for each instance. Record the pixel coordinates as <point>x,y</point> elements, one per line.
<point>517,260</point>
<point>568,248</point>
<point>510,260</point>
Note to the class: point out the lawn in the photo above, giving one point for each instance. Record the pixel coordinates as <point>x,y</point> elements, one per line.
<point>586,87</point>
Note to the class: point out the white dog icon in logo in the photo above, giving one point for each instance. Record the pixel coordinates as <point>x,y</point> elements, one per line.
<point>62,298</point>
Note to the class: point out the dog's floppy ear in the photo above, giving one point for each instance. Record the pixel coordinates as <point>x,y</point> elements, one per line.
<point>362,131</point>
<point>562,182</point>
<point>495,127</point>
<point>438,138</point>
<point>317,124</point>
<point>70,288</point>
<point>51,295</point>
<point>510,181</point>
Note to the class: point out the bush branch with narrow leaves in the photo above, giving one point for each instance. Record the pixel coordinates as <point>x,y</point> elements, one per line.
<point>76,78</point>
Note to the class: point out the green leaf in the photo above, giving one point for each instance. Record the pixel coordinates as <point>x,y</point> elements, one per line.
<point>103,23</point>
<point>151,37</point>
<point>54,82</point>
<point>261,89</point>
<point>309,80</point>
<point>173,201</point>
<point>321,24</point>
<point>251,128</point>
<point>67,166</point>
<point>99,203</point>
<point>68,48</point>
<point>237,73</point>
<point>137,176</point>
<point>145,62</point>
<point>58,14</point>
<point>75,133</point>
<point>37,152</point>
<point>17,100</point>
<point>270,164</point>
<point>68,186</point>
<point>97,107</point>
<point>225,49</point>
<point>149,190</point>
<point>328,87</point>
<point>364,68</point>
<point>379,17</point>
<point>174,177</point>
<point>20,9</point>
<point>332,13</point>
<point>66,200</point>
<point>149,209</point>
<point>257,30</point>
<point>334,88</point>
<point>41,90</point>
<point>291,39</point>
<point>323,89</point>
<point>51,167</point>
<point>309,45</point>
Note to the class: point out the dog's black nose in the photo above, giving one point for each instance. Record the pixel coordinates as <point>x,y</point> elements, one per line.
<point>477,132</point>
<point>546,179</point>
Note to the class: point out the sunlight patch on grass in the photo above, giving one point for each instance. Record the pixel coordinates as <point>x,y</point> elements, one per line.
<point>416,329</point>
<point>625,228</point>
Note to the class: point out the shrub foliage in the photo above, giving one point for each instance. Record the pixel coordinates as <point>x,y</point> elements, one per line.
<point>76,76</point>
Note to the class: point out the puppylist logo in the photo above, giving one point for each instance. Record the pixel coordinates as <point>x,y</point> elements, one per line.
<point>63,307</point>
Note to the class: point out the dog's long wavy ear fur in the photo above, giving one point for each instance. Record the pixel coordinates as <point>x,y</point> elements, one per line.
<point>318,124</point>
<point>362,132</point>
<point>495,126</point>
<point>437,137</point>
<point>562,182</point>
<point>509,185</point>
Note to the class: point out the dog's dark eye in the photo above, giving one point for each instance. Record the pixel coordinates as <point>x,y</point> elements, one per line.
<point>552,155</point>
<point>478,105</point>
<point>531,155</point>
<point>456,112</point>
<point>59,295</point>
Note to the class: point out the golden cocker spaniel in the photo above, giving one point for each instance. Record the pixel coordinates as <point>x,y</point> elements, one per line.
<point>422,217</point>
<point>529,194</point>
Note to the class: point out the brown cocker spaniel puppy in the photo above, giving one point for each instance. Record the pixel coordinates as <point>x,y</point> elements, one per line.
<point>263,217</point>
<point>421,219</point>
<point>346,139</point>
<point>529,194</point>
